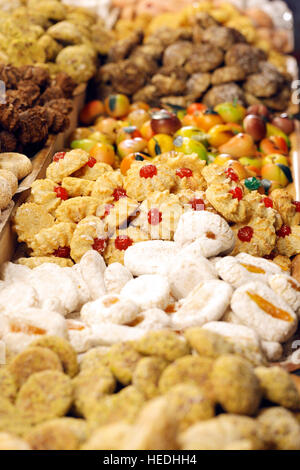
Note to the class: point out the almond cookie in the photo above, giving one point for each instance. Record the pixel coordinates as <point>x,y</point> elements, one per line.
<point>67,165</point>
<point>288,241</point>
<point>76,209</point>
<point>48,240</point>
<point>32,360</point>
<point>30,219</point>
<point>42,192</point>
<point>77,187</point>
<point>107,187</point>
<point>33,399</point>
<point>257,237</point>
<point>39,260</point>
<point>63,349</point>
<point>92,173</point>
<point>89,234</point>
<point>141,180</point>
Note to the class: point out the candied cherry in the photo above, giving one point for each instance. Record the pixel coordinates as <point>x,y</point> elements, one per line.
<point>59,156</point>
<point>123,242</point>
<point>119,193</point>
<point>62,193</point>
<point>154,217</point>
<point>245,234</point>
<point>236,193</point>
<point>252,183</point>
<point>268,202</point>
<point>184,173</point>
<point>148,171</point>
<point>91,162</point>
<point>297,205</point>
<point>107,210</point>
<point>284,231</point>
<point>62,252</point>
<point>232,174</point>
<point>99,244</point>
<point>197,204</point>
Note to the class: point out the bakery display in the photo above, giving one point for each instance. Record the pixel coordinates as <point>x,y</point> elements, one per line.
<point>150,262</point>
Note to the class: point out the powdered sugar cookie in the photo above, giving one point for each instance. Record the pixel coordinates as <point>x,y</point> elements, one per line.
<point>260,308</point>
<point>148,291</point>
<point>109,333</point>
<point>205,303</point>
<point>67,165</point>
<point>80,335</point>
<point>288,288</point>
<point>153,319</point>
<point>187,269</point>
<point>17,296</point>
<point>245,268</point>
<point>116,277</point>
<point>92,268</point>
<point>150,257</point>
<point>111,308</point>
<point>210,230</point>
<point>11,272</point>
<point>20,328</point>
<point>272,350</point>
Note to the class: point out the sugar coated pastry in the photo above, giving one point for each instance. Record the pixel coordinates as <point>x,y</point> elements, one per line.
<point>288,288</point>
<point>92,268</point>
<point>187,268</point>
<point>80,335</point>
<point>153,319</point>
<point>205,303</point>
<point>148,291</point>
<point>17,296</point>
<point>209,230</point>
<point>272,350</point>
<point>20,328</point>
<point>72,161</point>
<point>259,307</point>
<point>115,277</point>
<point>150,257</point>
<point>237,270</point>
<point>106,334</point>
<point>111,308</point>
<point>11,272</point>
<point>121,241</point>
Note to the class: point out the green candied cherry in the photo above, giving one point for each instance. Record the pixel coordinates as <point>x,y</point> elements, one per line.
<point>253,184</point>
<point>188,145</point>
<point>273,131</point>
<point>231,112</point>
<point>83,144</point>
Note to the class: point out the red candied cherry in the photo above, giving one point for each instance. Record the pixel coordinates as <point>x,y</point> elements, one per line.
<point>236,193</point>
<point>59,156</point>
<point>107,210</point>
<point>184,173</point>
<point>284,231</point>
<point>148,171</point>
<point>62,193</point>
<point>232,174</point>
<point>62,252</point>
<point>245,234</point>
<point>99,244</point>
<point>123,242</point>
<point>91,162</point>
<point>119,193</point>
<point>268,202</point>
<point>297,204</point>
<point>197,204</point>
<point>154,217</point>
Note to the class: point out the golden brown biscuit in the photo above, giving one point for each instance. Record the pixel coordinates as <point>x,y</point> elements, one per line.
<point>71,162</point>
<point>47,240</point>
<point>30,219</point>
<point>76,209</point>
<point>77,187</point>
